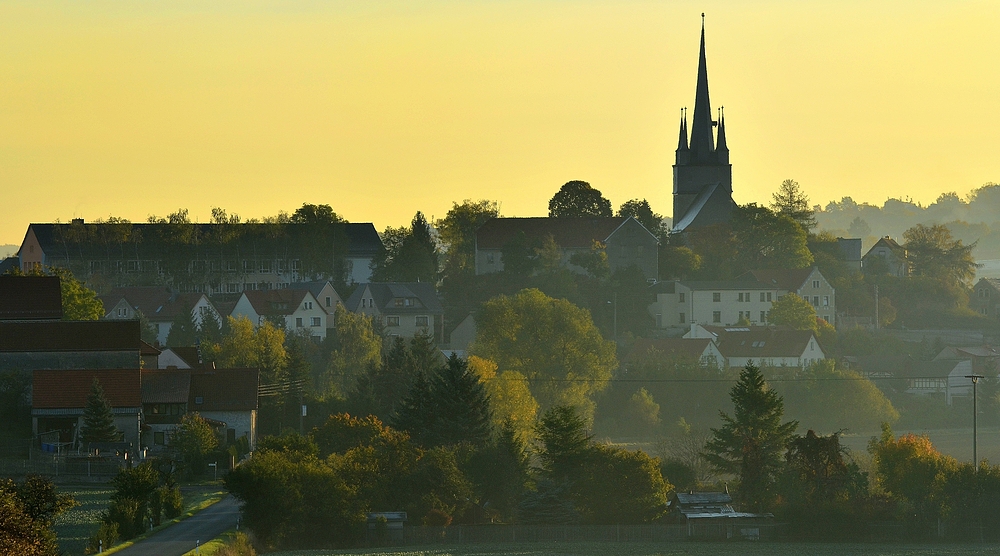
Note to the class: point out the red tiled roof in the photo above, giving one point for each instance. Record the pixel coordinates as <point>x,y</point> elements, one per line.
<point>30,297</point>
<point>66,335</point>
<point>63,389</point>
<point>275,302</point>
<point>689,347</point>
<point>162,386</point>
<point>157,303</point>
<point>579,233</point>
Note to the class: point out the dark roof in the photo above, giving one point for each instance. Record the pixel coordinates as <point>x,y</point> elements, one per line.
<point>190,355</point>
<point>96,335</point>
<point>790,279</point>
<point>384,294</point>
<point>223,390</point>
<point>146,349</point>
<point>893,246</point>
<point>761,341</point>
<point>850,247</point>
<point>703,498</point>
<point>666,286</point>
<point>939,368</point>
<point>363,239</point>
<point>738,284</point>
<point>157,303</point>
<point>315,288</point>
<point>992,282</point>
<point>64,389</point>
<point>578,233</point>
<point>30,298</point>
<point>276,302</point>
<point>688,347</point>
<point>165,386</point>
<point>8,264</point>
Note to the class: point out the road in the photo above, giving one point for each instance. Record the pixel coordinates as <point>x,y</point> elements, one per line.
<point>181,537</point>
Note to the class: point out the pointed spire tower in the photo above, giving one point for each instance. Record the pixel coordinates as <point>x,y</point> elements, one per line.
<point>703,177</point>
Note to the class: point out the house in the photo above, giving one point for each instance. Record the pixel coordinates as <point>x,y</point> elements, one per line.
<point>30,298</point>
<point>324,293</point>
<point>160,305</point>
<point>462,336</point>
<point>702,350</point>
<point>624,240</point>
<point>60,344</point>
<point>293,309</point>
<point>403,308</point>
<point>226,398</point>
<point>890,254</point>
<point>807,283</point>
<point>851,249</point>
<point>228,258</point>
<point>765,346</point>
<point>59,397</point>
<point>985,298</point>
<point>149,355</point>
<point>680,303</point>
<point>941,378</point>
<point>188,357</point>
<point>985,359</point>
<point>711,514</point>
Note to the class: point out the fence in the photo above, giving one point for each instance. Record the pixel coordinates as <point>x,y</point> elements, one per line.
<point>650,533</point>
<point>78,468</point>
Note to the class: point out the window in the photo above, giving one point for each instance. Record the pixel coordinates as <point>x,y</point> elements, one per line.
<point>682,318</point>
<point>826,318</point>
<point>298,322</point>
<point>327,301</point>
<point>815,301</point>
<point>199,400</point>
<point>316,321</point>
<point>716,316</point>
<point>746,297</point>
<point>740,297</point>
<point>132,266</point>
<point>233,287</point>
<point>308,304</point>
<point>398,302</point>
<point>489,258</point>
<point>282,266</point>
<point>121,311</point>
<point>769,296</point>
<point>391,321</point>
<point>763,316</point>
<point>296,264</point>
<point>159,439</point>
<point>816,284</point>
<point>717,297</point>
<point>247,265</point>
<point>249,286</point>
<point>231,266</point>
<point>265,266</point>
<point>762,296</point>
<point>826,300</point>
<point>680,297</point>
<point>422,320</point>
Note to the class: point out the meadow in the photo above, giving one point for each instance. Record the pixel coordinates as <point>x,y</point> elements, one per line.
<point>669,549</point>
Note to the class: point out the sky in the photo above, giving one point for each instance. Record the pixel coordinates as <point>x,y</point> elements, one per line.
<point>384,108</point>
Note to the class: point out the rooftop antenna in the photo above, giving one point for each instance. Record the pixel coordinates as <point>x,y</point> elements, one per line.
<point>702,21</point>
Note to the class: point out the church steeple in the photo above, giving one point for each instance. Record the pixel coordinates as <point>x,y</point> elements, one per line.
<point>721,149</point>
<point>701,126</point>
<point>683,152</point>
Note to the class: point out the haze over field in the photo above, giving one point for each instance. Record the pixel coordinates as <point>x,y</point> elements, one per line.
<point>383,109</point>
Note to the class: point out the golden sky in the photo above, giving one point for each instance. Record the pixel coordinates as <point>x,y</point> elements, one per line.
<point>385,107</point>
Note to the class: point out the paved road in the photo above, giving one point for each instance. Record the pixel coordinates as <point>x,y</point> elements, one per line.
<point>180,538</point>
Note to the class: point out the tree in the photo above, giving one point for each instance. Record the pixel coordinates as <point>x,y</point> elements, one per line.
<point>357,348</point>
<point>315,214</point>
<point>931,251</point>
<point>793,311</point>
<point>194,439</point>
<point>750,443</point>
<point>792,202</point>
<point>98,420</point>
<point>183,330</point>
<point>147,332</point>
<point>415,413</point>
<point>512,402</point>
<point>27,512</point>
<point>78,301</point>
<point>764,239</point>
<point>457,231</point>
<point>578,199</point>
<point>244,346</point>
<point>908,468</point>
<point>500,471</point>
<point>461,405</point>
<point>564,440</point>
<point>551,342</point>
<point>409,255</point>
<point>641,211</point>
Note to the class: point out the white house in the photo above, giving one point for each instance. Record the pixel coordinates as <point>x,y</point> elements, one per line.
<point>403,308</point>
<point>703,350</point>
<point>765,346</point>
<point>293,309</point>
<point>160,305</point>
<point>807,283</point>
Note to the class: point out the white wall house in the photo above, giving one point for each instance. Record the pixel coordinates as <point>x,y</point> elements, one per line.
<point>765,346</point>
<point>294,309</point>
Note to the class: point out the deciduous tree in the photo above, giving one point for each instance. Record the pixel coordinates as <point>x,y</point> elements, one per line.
<point>578,199</point>
<point>792,311</point>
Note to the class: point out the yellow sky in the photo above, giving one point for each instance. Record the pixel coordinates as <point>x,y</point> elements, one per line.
<point>383,108</point>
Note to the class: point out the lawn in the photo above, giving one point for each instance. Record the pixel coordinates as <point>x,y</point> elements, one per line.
<point>669,549</point>
<point>75,527</point>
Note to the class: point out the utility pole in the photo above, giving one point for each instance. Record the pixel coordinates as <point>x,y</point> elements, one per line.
<point>876,306</point>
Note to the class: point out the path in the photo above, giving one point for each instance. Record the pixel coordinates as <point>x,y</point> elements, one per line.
<point>180,538</point>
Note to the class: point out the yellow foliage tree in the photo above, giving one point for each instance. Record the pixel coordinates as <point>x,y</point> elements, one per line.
<point>510,395</point>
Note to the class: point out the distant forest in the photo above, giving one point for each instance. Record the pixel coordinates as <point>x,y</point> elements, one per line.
<point>974,218</point>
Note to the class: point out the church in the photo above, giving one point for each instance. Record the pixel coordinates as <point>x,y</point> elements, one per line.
<point>703,176</point>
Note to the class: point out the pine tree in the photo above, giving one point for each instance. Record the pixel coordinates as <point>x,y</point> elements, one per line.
<point>183,330</point>
<point>98,420</point>
<point>751,443</point>
<point>415,413</point>
<point>461,405</point>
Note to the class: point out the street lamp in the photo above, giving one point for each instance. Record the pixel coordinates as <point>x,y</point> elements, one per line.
<point>975,420</point>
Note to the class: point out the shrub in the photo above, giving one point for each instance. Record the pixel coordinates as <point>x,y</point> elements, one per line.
<point>106,537</point>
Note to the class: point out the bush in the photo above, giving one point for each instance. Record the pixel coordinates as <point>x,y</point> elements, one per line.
<point>172,501</point>
<point>437,518</point>
<point>239,545</point>
<point>105,538</point>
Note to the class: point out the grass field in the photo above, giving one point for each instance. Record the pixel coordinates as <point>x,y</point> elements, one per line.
<point>75,527</point>
<point>671,549</point>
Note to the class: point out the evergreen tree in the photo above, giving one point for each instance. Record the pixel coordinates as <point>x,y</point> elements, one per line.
<point>461,405</point>
<point>210,329</point>
<point>565,443</point>
<point>792,202</point>
<point>750,444</point>
<point>415,413</point>
<point>183,330</point>
<point>408,254</point>
<point>98,420</point>
<point>147,332</point>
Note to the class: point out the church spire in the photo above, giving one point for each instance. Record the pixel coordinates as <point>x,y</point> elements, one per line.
<point>701,125</point>
<point>721,148</point>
